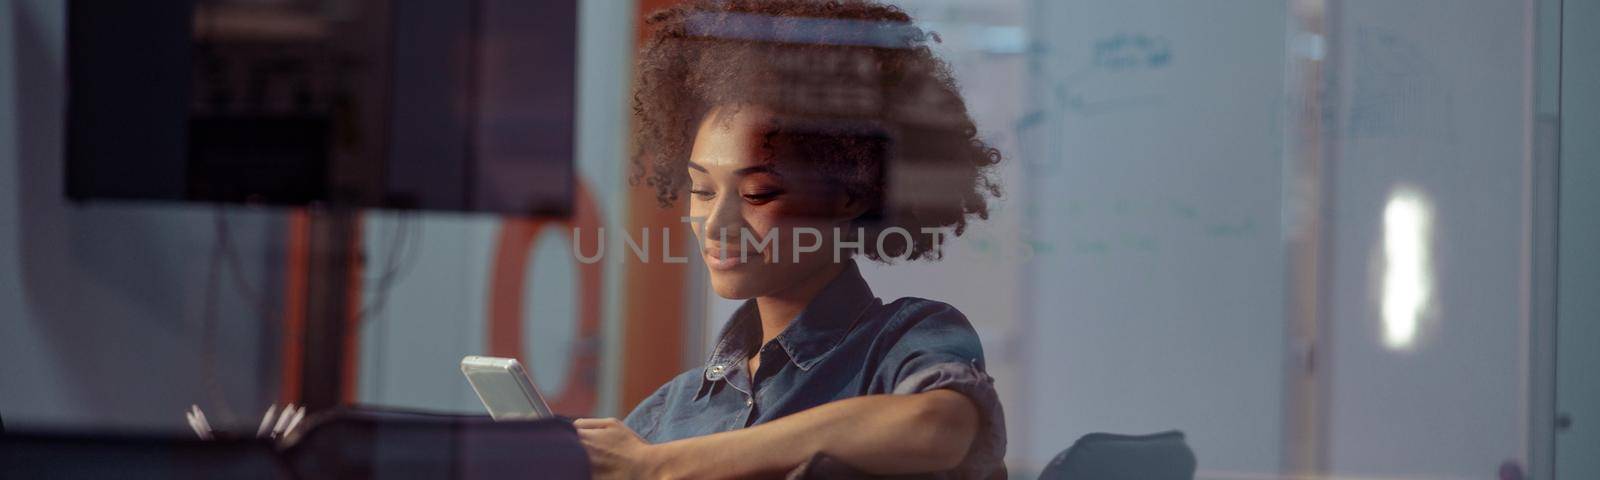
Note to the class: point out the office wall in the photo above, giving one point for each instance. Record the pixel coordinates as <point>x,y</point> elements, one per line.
<point>1425,309</point>
<point>1156,170</point>
<point>103,305</point>
<point>1578,298</point>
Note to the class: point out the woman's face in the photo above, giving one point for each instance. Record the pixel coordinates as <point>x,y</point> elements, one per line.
<point>750,211</point>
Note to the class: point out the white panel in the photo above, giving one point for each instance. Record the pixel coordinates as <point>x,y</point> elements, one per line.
<point>550,316</point>
<point>1431,118</point>
<point>433,313</point>
<point>1153,154</point>
<point>1578,349</point>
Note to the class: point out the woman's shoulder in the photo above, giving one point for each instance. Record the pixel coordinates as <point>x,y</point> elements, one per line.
<point>914,327</point>
<point>908,313</point>
<point>918,307</point>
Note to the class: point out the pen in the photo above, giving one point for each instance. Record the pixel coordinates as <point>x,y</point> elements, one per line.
<point>296,421</point>
<point>283,420</point>
<point>266,422</point>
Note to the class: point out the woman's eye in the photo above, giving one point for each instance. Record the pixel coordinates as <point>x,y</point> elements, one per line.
<point>702,193</point>
<point>763,196</point>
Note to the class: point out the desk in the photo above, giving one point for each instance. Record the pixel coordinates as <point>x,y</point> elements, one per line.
<point>343,444</point>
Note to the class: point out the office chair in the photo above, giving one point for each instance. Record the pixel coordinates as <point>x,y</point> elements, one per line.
<point>1106,456</point>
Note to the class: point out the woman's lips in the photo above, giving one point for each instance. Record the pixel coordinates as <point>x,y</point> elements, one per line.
<point>720,259</point>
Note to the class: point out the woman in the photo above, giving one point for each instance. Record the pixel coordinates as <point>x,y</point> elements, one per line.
<point>807,133</point>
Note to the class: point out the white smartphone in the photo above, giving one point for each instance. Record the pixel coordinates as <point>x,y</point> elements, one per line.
<point>504,387</point>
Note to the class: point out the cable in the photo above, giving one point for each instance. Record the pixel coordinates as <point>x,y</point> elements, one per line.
<point>403,248</point>
<point>208,341</point>
<point>224,242</point>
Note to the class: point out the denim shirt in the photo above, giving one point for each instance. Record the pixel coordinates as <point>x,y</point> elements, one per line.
<point>845,343</point>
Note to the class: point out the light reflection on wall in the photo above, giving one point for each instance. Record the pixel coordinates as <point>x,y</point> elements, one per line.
<point>1407,266</point>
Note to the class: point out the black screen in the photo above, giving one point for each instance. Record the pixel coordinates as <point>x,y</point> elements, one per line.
<point>441,105</point>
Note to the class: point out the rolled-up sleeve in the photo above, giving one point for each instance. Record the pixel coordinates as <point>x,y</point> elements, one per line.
<point>938,349</point>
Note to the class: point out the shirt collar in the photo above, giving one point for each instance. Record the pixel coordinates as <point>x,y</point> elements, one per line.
<point>818,328</point>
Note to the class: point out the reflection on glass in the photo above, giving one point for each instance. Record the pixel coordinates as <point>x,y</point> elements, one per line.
<point>1407,269</point>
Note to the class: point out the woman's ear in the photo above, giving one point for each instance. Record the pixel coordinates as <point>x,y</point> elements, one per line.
<point>849,208</point>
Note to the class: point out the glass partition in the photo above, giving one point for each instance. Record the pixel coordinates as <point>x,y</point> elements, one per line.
<point>1321,238</point>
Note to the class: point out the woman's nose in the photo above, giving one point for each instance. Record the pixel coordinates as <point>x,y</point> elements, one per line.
<point>724,221</point>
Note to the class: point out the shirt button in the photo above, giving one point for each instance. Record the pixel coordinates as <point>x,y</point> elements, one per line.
<point>748,401</point>
<point>716,369</point>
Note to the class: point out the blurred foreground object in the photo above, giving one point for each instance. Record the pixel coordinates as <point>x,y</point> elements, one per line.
<point>343,444</point>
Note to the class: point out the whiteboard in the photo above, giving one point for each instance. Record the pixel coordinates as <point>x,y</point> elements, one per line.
<point>1154,152</point>
<point>1431,98</point>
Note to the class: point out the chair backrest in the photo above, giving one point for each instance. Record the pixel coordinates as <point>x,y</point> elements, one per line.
<point>365,444</point>
<point>1107,456</point>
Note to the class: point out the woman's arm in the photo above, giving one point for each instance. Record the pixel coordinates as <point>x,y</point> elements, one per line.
<point>880,434</point>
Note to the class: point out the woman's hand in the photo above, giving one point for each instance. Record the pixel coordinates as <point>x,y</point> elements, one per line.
<point>877,434</point>
<point>614,450</point>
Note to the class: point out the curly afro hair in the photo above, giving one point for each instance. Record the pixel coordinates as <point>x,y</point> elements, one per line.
<point>861,98</point>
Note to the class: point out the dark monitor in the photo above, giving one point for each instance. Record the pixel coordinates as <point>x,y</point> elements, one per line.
<point>464,105</point>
